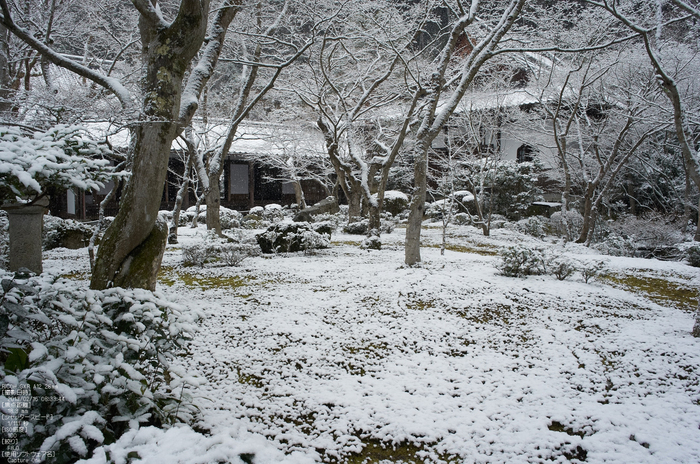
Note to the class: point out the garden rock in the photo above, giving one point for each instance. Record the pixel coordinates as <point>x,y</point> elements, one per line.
<point>328,205</point>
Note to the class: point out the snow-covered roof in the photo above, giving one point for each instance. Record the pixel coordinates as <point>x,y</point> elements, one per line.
<point>251,137</point>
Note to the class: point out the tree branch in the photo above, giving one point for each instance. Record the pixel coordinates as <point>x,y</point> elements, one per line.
<point>108,83</point>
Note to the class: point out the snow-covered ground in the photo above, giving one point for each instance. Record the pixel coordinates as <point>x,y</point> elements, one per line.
<point>347,355</point>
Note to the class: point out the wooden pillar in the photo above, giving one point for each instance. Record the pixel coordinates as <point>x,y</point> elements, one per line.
<point>251,184</point>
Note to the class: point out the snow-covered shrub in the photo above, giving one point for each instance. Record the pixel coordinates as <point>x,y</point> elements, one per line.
<point>535,226</point>
<point>334,220</point>
<point>373,242</point>
<point>255,219</point>
<point>387,226</point>
<point>498,221</point>
<point>519,261</point>
<point>593,270</point>
<point>616,245</point>
<point>395,202</point>
<point>62,157</point>
<point>295,236</point>
<point>561,267</point>
<point>194,255</point>
<point>362,227</point>
<point>214,249</point>
<point>566,225</point>
<point>312,241</point>
<point>693,255</point>
<point>438,209</point>
<point>653,230</point>
<point>257,211</point>
<point>229,218</point>
<point>357,227</point>
<point>462,219</point>
<point>515,188</point>
<point>273,212</point>
<point>95,363</point>
<point>233,254</point>
<point>66,233</point>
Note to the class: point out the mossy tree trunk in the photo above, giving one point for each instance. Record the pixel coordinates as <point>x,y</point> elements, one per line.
<point>132,239</point>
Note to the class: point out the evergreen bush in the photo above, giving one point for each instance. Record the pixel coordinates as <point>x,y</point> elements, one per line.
<point>90,364</point>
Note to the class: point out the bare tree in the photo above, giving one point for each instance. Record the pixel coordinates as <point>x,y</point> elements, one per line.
<point>440,93</point>
<point>601,115</point>
<point>272,43</point>
<point>649,22</point>
<point>359,70</point>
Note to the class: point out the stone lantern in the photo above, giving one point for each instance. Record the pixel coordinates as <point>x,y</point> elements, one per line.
<point>26,223</point>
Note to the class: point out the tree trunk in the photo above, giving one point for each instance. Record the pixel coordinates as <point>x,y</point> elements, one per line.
<point>697,228</point>
<point>181,193</point>
<point>696,326</point>
<point>375,219</point>
<point>354,205</point>
<point>5,82</point>
<point>213,202</point>
<point>134,224</point>
<point>588,212</point>
<point>299,194</point>
<point>133,246</point>
<point>415,217</point>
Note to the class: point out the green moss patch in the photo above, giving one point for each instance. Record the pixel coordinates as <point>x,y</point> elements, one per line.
<point>76,275</point>
<point>662,291</point>
<point>170,277</point>
<point>483,250</point>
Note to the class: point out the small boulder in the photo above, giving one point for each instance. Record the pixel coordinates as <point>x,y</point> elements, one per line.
<point>328,205</point>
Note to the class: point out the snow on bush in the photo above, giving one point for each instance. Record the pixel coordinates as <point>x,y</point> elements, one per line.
<point>614,244</point>
<point>653,230</point>
<point>96,363</point>
<point>68,233</point>
<point>257,211</point>
<point>61,157</point>
<point>561,267</point>
<point>395,202</point>
<point>362,227</point>
<point>228,218</point>
<point>183,445</point>
<point>293,237</point>
<point>592,270</point>
<point>693,255</point>
<point>273,212</point>
<point>566,224</point>
<point>357,227</point>
<point>462,219</point>
<point>535,226</point>
<point>215,249</point>
<point>520,261</point>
